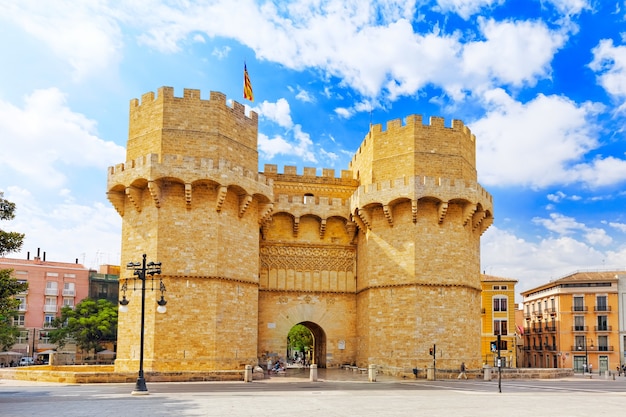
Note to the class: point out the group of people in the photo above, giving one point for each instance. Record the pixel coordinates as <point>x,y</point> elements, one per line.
<point>621,370</point>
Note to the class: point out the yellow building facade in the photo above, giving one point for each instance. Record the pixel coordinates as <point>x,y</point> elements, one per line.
<point>498,318</point>
<point>380,262</point>
<point>573,322</point>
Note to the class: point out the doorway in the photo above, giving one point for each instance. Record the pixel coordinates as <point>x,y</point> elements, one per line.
<point>312,351</point>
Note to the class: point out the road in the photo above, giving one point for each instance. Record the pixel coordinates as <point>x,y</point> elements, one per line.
<point>291,397</point>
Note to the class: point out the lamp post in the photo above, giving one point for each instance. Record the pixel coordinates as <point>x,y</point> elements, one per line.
<point>586,355</point>
<point>140,270</point>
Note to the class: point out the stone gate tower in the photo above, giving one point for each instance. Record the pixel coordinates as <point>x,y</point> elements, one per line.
<point>190,197</point>
<point>380,263</point>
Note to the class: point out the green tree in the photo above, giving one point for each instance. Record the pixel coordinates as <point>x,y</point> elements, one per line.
<point>89,323</point>
<point>9,286</point>
<point>9,241</point>
<point>300,338</point>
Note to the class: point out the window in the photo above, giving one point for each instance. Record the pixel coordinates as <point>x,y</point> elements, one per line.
<point>603,343</point>
<point>500,327</point>
<point>48,319</point>
<point>68,302</point>
<point>22,300</point>
<point>499,303</point>
<point>309,198</point>
<point>51,305</point>
<point>602,324</point>
<point>69,275</point>
<point>503,287</point>
<point>19,320</point>
<point>579,303</point>
<point>580,343</point>
<point>579,323</point>
<point>68,289</point>
<point>496,287</point>
<point>601,304</point>
<point>52,274</point>
<point>52,288</point>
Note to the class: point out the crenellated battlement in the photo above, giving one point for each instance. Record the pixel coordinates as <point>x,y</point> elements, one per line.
<point>415,148</point>
<point>309,175</point>
<point>186,168</point>
<point>191,98</point>
<point>165,124</point>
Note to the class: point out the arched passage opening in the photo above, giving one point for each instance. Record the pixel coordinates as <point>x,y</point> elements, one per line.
<point>311,349</point>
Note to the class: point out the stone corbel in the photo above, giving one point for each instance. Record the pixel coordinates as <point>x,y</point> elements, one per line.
<point>296,224</point>
<point>188,194</point>
<point>155,192</point>
<point>117,199</point>
<point>322,228</point>
<point>414,210</point>
<point>477,219</point>
<point>364,218</point>
<point>221,196</point>
<point>442,210</point>
<point>244,202</point>
<point>388,214</point>
<point>265,212</point>
<point>134,195</point>
<point>468,211</point>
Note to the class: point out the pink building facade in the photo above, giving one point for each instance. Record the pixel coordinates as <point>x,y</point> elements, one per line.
<point>51,286</point>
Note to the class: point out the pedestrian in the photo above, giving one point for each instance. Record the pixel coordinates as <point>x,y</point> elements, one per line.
<point>590,368</point>
<point>462,373</point>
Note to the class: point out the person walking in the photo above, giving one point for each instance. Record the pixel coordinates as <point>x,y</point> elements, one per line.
<point>462,373</point>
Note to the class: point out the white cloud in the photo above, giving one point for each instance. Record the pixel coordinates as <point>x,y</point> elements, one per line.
<point>221,53</point>
<point>85,34</point>
<point>536,263</point>
<point>305,96</point>
<point>45,137</point>
<point>619,226</point>
<point>540,143</point>
<point>609,62</point>
<point>570,7</point>
<point>466,8</point>
<point>564,225</point>
<point>344,113</point>
<point>278,112</point>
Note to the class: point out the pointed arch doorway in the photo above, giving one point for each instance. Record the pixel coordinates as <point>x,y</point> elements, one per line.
<point>318,353</point>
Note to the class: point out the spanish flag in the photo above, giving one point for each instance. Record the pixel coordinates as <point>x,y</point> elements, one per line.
<point>247,86</point>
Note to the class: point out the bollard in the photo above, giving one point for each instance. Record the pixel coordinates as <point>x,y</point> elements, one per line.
<point>247,374</point>
<point>371,373</point>
<point>430,373</point>
<point>313,373</point>
<point>487,372</point>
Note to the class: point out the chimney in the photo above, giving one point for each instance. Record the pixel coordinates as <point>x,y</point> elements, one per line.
<point>28,256</point>
<point>44,256</point>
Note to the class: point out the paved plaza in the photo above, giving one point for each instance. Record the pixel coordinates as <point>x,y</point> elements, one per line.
<point>336,393</point>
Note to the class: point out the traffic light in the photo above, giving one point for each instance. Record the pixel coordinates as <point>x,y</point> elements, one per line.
<point>494,346</point>
<point>431,351</point>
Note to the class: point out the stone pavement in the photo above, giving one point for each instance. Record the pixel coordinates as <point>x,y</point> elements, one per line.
<point>335,394</point>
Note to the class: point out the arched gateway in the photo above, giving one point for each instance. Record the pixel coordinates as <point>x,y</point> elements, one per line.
<point>380,262</point>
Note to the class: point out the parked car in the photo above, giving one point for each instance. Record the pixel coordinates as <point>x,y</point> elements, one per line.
<point>26,361</point>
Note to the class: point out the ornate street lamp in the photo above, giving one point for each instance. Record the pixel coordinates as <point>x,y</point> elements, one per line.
<point>141,269</point>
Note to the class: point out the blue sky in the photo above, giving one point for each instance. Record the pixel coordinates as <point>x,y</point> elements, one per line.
<point>541,83</point>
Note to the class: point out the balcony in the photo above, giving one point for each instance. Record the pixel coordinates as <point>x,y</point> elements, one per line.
<point>580,328</point>
<point>603,328</point>
<point>23,307</point>
<point>527,330</point>
<point>51,291</point>
<point>579,308</point>
<point>602,308</point>
<point>537,347</point>
<point>69,293</point>
<point>551,311</point>
<point>50,308</point>
<point>527,316</point>
<point>605,348</point>
<point>551,348</point>
<point>537,329</point>
<point>550,328</point>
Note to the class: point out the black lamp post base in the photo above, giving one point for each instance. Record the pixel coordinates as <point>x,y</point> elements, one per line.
<point>140,387</point>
